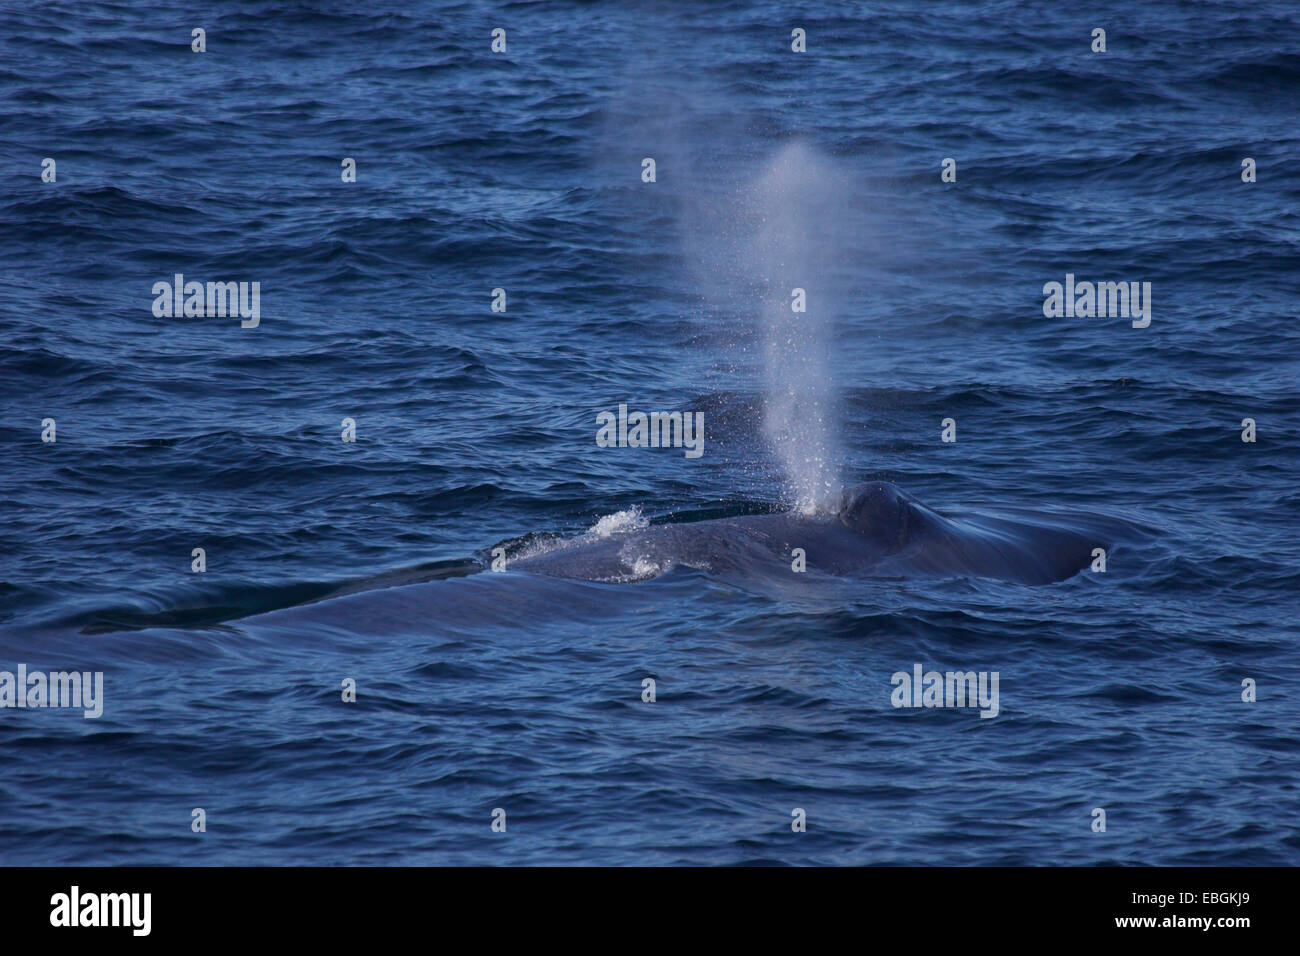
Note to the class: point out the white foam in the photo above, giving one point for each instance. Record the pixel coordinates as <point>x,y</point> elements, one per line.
<point>617,523</point>
<point>645,568</point>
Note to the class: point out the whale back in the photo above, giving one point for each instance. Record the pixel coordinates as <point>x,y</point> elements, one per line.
<point>1027,547</point>
<point>878,531</point>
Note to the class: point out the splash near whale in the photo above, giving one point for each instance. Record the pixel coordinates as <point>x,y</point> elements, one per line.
<point>878,531</point>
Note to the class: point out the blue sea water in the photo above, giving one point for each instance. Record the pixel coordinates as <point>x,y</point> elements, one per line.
<point>522,171</point>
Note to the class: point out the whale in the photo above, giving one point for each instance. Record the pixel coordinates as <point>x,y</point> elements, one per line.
<point>877,531</point>
<point>874,531</point>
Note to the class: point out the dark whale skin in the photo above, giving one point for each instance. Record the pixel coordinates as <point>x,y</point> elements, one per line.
<point>878,531</point>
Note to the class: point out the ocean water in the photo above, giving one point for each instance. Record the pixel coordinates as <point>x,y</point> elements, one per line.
<point>329,561</point>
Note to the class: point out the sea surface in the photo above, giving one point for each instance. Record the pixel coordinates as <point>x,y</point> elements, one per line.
<point>328,561</point>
